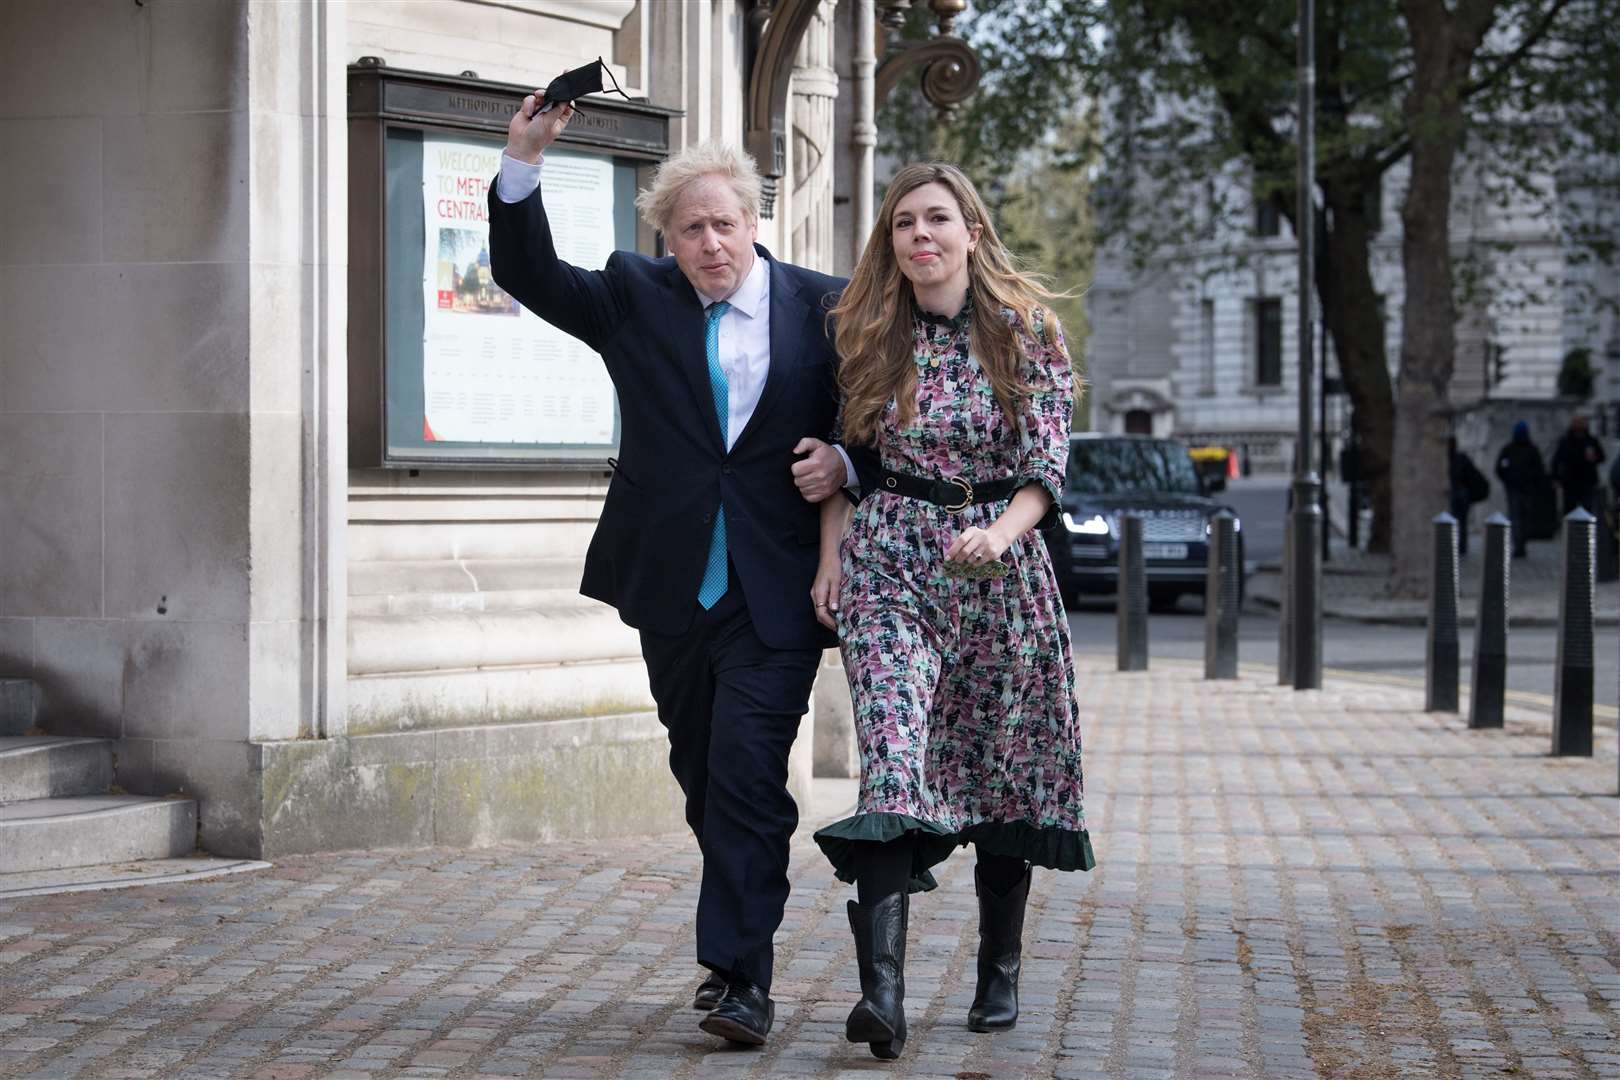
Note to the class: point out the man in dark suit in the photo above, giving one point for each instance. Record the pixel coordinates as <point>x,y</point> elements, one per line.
<point>708,540</point>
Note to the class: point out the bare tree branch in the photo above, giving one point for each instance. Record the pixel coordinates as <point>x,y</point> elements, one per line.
<point>1511,60</point>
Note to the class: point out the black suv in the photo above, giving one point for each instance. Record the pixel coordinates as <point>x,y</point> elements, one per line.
<point>1110,475</point>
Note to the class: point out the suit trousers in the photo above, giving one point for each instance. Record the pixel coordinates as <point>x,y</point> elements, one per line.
<point>732,706</point>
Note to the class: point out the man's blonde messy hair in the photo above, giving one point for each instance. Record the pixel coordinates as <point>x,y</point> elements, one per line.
<point>712,158</point>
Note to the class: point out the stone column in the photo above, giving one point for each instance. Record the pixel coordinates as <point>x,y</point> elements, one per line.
<point>294,164</point>
<point>811,111</point>
<point>863,134</point>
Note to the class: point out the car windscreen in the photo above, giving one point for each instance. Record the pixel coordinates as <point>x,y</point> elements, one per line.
<point>1111,466</point>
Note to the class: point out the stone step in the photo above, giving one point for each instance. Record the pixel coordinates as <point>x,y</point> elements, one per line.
<point>417,603</point>
<point>475,697</point>
<point>581,631</point>
<point>468,576</point>
<point>17,705</point>
<point>49,766</point>
<point>85,830</point>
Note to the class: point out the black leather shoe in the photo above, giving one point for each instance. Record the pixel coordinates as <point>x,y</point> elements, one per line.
<point>709,993</point>
<point>879,1019</point>
<point>1001,950</point>
<point>743,1016</point>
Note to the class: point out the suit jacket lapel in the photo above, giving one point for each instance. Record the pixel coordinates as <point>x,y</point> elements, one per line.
<point>686,330</point>
<point>789,313</point>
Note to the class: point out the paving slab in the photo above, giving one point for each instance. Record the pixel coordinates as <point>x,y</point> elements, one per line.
<point>1289,884</point>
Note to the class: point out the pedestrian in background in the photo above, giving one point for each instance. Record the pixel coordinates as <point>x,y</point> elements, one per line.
<point>1524,481</point>
<point>1575,464</point>
<point>953,631</point>
<point>1468,486</point>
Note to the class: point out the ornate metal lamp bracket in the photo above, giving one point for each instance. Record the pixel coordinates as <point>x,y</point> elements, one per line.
<point>950,67</point>
<point>774,29</point>
<point>950,72</point>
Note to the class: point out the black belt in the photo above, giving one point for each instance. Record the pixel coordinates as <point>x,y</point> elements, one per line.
<point>956,493</point>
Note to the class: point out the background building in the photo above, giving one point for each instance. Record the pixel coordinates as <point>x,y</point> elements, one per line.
<point>1201,344</point>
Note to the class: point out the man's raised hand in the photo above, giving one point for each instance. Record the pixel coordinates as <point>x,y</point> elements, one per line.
<point>531,131</point>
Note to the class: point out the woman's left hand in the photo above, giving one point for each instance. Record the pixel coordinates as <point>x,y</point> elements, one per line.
<point>824,593</point>
<point>976,546</point>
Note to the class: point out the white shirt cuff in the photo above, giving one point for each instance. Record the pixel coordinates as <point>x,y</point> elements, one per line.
<point>518,179</point>
<point>851,481</point>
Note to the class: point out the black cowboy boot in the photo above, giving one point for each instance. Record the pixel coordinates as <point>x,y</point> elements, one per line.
<point>1001,948</point>
<point>880,952</point>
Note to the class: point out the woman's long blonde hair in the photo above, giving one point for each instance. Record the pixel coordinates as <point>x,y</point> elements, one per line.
<point>873,322</point>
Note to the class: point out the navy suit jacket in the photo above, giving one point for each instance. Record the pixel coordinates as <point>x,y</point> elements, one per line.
<point>651,545</point>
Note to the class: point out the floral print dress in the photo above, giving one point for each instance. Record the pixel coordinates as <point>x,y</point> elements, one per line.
<point>963,687</point>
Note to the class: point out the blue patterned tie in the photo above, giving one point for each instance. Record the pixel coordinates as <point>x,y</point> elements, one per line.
<point>714,575</point>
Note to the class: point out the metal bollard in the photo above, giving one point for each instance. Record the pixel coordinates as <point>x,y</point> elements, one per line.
<point>1441,660</point>
<point>1305,594</point>
<point>1572,693</point>
<point>1608,542</point>
<point>1285,613</point>
<point>1222,582</point>
<point>1132,605</point>
<point>1486,703</point>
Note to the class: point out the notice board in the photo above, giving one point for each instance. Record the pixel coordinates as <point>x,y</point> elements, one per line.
<point>446,369</point>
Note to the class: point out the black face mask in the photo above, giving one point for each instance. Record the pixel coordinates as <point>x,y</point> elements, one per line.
<point>586,79</point>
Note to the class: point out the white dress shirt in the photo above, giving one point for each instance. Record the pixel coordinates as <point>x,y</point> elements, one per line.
<point>745,328</point>
<point>745,345</point>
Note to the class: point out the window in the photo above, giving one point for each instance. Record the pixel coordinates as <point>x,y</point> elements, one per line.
<point>1268,342</point>
<point>1206,347</point>
<point>1110,466</point>
<point>1267,222</point>
<point>1373,208</point>
<point>1495,364</point>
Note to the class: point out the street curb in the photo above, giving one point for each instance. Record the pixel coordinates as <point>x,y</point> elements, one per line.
<point>1529,622</point>
<point>1263,597</point>
<point>1525,701</point>
<point>115,876</point>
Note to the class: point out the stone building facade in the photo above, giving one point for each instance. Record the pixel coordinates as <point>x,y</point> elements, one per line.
<point>1203,344</point>
<point>324,656</point>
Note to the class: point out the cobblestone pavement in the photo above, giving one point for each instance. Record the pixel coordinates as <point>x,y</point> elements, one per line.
<point>1289,885</point>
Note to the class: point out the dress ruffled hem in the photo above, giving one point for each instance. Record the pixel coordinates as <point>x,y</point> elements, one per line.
<point>1048,846</point>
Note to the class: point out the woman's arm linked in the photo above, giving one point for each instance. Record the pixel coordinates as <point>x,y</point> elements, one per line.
<point>835,515</point>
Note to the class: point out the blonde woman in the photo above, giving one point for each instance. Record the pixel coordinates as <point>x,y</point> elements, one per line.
<point>948,614</point>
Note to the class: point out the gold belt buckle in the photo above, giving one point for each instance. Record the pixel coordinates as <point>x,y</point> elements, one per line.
<point>967,491</point>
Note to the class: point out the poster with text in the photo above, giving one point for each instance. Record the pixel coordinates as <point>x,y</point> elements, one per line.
<point>492,371</point>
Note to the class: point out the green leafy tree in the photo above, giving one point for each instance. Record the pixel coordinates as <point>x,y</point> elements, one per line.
<point>1202,89</point>
<point>1043,213</point>
<point>1037,186</point>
